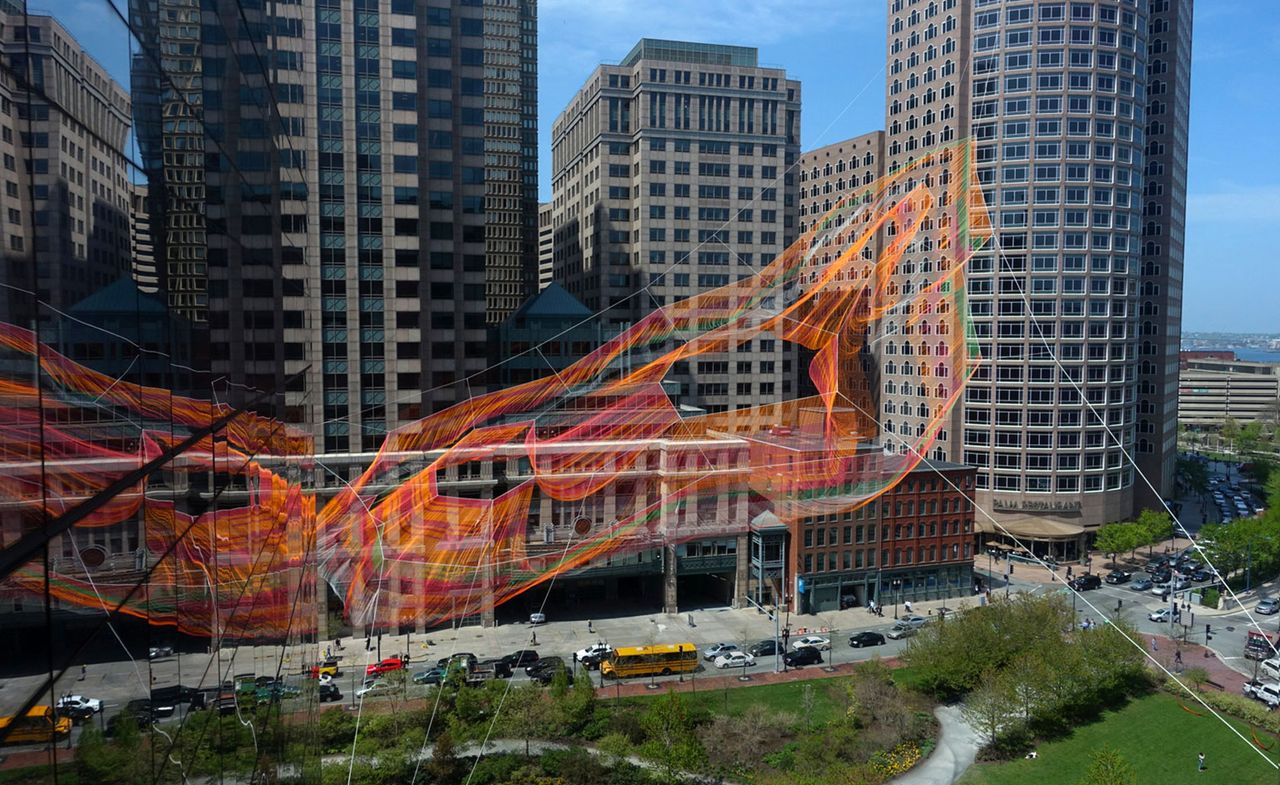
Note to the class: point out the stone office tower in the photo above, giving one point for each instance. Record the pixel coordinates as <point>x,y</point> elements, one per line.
<point>672,176</point>
<point>1056,96</point>
<point>365,200</point>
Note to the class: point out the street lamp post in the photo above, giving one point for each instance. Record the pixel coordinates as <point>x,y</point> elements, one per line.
<point>896,586</point>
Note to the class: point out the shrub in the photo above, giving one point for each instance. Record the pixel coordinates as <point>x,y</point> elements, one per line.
<point>1209,598</point>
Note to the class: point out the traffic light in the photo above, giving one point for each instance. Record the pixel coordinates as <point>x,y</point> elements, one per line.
<point>1208,633</point>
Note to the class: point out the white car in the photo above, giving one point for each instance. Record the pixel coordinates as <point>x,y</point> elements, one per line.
<point>80,702</point>
<point>374,689</point>
<point>718,649</point>
<point>593,649</point>
<point>735,659</point>
<point>913,621</point>
<point>537,618</point>
<point>816,641</point>
<point>1162,616</point>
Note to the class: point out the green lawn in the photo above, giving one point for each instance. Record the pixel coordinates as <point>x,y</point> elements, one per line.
<point>788,697</point>
<point>1159,740</point>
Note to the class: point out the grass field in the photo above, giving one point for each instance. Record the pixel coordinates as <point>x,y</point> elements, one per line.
<point>785,697</point>
<point>1157,737</point>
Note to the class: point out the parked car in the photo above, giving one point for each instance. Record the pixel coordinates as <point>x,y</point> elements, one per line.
<point>275,692</point>
<point>1086,582</point>
<point>1268,606</point>
<point>463,659</point>
<point>1200,576</point>
<point>1250,688</point>
<point>546,663</point>
<point>386,666</point>
<point>330,692</point>
<point>1268,693</point>
<point>861,639</point>
<point>521,658</point>
<point>912,620</point>
<point>596,648</point>
<point>68,702</point>
<point>374,689</point>
<point>159,651</point>
<point>717,649</point>
<point>805,655</point>
<point>816,641</point>
<point>141,717</point>
<point>144,706</point>
<point>766,648</point>
<point>429,676</point>
<point>1116,577</point>
<point>537,618</point>
<point>1142,584</point>
<point>898,632</point>
<point>500,667</point>
<point>735,659</point>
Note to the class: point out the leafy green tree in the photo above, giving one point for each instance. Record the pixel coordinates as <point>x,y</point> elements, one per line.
<point>526,712</point>
<point>1115,538</point>
<point>1108,767</point>
<point>1156,526</point>
<point>669,735</point>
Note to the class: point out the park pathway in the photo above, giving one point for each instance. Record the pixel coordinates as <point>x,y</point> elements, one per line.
<point>957,749</point>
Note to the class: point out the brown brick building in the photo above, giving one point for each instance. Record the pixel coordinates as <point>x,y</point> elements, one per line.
<point>915,541</point>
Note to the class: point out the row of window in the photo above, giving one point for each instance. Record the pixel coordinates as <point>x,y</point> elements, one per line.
<point>858,559</point>
<point>1092,483</point>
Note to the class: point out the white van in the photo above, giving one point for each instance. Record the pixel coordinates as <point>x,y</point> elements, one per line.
<point>1270,668</point>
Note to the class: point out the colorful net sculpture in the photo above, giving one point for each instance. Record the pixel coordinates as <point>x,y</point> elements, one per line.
<point>471,506</point>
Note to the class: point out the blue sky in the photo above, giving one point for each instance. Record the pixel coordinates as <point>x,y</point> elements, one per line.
<point>836,49</point>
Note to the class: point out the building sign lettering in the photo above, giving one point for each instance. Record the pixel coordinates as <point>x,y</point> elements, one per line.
<point>1032,505</point>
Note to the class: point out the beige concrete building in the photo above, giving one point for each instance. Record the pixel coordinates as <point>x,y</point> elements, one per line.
<point>546,245</point>
<point>1056,96</point>
<point>65,197</point>
<point>1210,390</point>
<point>672,176</point>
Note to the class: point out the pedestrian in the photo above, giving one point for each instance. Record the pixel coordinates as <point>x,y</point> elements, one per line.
<point>907,605</point>
<point>590,631</point>
<point>1154,645</point>
<point>1201,761</point>
<point>84,671</point>
<point>533,639</point>
<point>1177,658</point>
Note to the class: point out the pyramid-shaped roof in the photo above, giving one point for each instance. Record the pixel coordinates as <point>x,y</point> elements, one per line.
<point>122,297</point>
<point>552,302</point>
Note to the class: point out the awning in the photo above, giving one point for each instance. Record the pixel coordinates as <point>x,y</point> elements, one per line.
<point>994,544</point>
<point>1036,529</point>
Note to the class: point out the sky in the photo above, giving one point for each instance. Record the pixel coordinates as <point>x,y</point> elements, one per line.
<point>836,48</point>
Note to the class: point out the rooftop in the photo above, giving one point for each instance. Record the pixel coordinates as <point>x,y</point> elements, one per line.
<point>690,52</point>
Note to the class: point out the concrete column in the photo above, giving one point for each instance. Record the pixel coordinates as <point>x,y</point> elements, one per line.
<point>669,604</point>
<point>742,572</point>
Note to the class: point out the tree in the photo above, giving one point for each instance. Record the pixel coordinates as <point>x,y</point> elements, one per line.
<point>1108,767</point>
<point>986,709</point>
<point>1156,526</point>
<point>525,712</point>
<point>669,736</point>
<point>1197,677</point>
<point>1114,538</point>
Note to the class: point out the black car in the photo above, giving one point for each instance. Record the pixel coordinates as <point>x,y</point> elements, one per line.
<point>805,655</point>
<point>1086,582</point>
<point>517,659</point>
<point>176,693</point>
<point>1200,576</point>
<point>500,667</point>
<point>1158,564</point>
<point>765,649</point>
<point>151,708</point>
<point>329,692</point>
<point>1117,577</point>
<point>545,675</point>
<point>545,663</point>
<point>1163,576</point>
<point>861,639</point>
<point>466,660</point>
<point>141,719</point>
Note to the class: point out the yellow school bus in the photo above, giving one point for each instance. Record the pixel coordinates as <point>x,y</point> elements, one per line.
<point>40,725</point>
<point>662,659</point>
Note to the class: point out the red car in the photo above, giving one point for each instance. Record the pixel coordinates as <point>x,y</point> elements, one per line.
<point>386,666</point>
